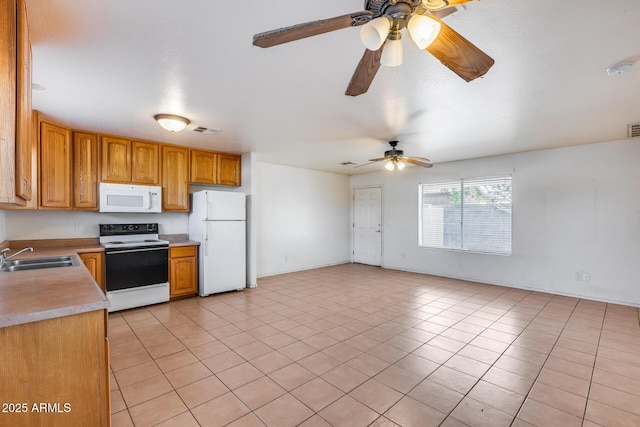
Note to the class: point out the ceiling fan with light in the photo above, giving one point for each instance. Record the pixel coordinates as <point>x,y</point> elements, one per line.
<point>397,160</point>
<point>382,22</point>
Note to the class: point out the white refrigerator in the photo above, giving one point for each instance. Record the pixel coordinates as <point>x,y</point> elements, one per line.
<point>218,222</point>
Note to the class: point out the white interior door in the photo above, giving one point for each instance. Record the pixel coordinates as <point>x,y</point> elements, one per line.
<point>367,225</point>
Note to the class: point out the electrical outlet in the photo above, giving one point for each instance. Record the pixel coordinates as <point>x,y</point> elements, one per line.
<point>583,276</point>
<point>76,226</point>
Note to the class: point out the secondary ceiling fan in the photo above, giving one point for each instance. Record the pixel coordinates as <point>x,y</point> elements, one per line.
<point>397,160</point>
<point>383,21</point>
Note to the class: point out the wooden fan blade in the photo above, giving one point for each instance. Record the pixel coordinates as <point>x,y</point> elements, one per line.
<point>365,72</point>
<point>309,29</point>
<point>459,54</point>
<point>364,164</point>
<point>456,2</point>
<point>422,159</point>
<point>377,160</point>
<point>413,161</point>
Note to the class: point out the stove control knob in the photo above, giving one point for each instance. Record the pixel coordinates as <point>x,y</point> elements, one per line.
<point>150,227</point>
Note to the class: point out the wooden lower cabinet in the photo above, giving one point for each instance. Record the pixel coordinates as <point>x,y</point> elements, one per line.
<point>94,261</point>
<point>183,271</point>
<point>56,372</point>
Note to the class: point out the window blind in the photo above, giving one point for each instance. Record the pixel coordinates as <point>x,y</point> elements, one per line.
<point>468,214</point>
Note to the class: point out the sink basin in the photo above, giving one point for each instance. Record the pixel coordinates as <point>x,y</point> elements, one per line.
<point>40,260</point>
<point>39,263</point>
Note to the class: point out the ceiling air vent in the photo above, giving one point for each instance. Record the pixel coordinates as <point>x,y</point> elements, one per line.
<point>349,163</point>
<point>633,129</point>
<point>202,129</point>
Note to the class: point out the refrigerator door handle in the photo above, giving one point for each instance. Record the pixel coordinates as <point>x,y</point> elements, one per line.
<point>205,238</point>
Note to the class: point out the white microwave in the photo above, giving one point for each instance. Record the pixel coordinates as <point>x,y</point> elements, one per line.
<point>130,198</point>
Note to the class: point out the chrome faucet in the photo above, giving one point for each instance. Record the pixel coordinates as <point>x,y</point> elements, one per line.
<point>4,257</point>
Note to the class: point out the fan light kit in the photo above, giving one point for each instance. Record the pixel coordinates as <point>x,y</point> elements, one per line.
<point>382,22</point>
<point>171,122</point>
<point>396,160</point>
<point>620,68</point>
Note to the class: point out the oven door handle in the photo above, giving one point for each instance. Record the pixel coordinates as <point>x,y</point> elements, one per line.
<point>136,250</point>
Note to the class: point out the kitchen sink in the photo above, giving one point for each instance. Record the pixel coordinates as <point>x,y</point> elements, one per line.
<point>39,263</point>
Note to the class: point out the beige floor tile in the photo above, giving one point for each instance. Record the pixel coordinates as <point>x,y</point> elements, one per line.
<point>319,363</point>
<point>473,412</point>
<point>291,376</point>
<point>259,392</point>
<point>539,414</point>
<point>317,394</point>
<point>348,412</point>
<point>559,399</point>
<point>492,340</point>
<point>145,390</point>
<point>285,411</point>
<point>185,419</point>
<point>157,410</point>
<point>201,391</point>
<point>121,419</point>
<point>137,373</point>
<point>606,415</point>
<point>188,374</point>
<point>411,413</point>
<point>220,411</point>
<point>376,395</point>
<point>437,396</point>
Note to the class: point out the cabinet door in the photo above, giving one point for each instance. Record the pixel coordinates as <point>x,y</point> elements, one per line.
<point>7,100</point>
<point>85,170</point>
<point>24,125</point>
<point>94,261</point>
<point>55,166</point>
<point>182,278</point>
<point>229,169</point>
<point>175,178</point>
<point>145,163</point>
<point>204,167</point>
<point>116,160</point>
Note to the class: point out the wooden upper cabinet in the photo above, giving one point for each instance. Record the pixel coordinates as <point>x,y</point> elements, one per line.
<point>209,167</point>
<point>55,166</point>
<point>229,169</point>
<point>25,140</point>
<point>16,134</point>
<point>145,163</point>
<point>204,167</point>
<point>175,178</point>
<point>116,160</point>
<point>85,170</point>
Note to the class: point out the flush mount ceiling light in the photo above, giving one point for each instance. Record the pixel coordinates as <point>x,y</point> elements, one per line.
<point>171,122</point>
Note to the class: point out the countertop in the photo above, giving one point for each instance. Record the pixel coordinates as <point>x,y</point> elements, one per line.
<point>34,295</point>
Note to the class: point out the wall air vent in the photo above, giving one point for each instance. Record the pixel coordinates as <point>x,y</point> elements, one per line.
<point>633,129</point>
<point>210,131</point>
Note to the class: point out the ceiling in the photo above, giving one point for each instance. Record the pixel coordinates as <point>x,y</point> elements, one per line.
<point>109,66</point>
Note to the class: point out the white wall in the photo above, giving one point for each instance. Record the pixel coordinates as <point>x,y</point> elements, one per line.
<point>25,225</point>
<point>575,209</point>
<point>3,229</point>
<point>303,218</point>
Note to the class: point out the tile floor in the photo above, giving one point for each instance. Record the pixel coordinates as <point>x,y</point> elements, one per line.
<point>353,345</point>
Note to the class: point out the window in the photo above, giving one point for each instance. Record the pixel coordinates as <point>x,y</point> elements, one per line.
<point>469,214</point>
